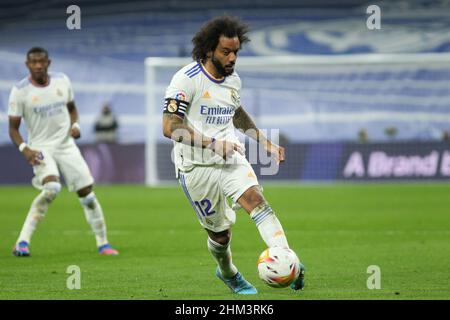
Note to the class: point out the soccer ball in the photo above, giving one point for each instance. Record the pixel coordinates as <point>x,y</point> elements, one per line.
<point>278,267</point>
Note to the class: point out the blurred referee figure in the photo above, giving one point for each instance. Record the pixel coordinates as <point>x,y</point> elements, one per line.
<point>202,110</point>
<point>45,101</point>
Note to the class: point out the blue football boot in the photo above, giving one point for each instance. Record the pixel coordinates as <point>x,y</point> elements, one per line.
<point>299,283</point>
<point>21,249</point>
<point>237,283</point>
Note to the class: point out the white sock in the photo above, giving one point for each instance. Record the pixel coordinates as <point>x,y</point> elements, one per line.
<point>94,216</point>
<point>222,255</point>
<point>269,226</point>
<point>38,209</point>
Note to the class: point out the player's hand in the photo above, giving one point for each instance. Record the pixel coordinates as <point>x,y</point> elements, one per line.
<point>33,157</point>
<point>276,151</point>
<point>226,148</point>
<point>75,133</point>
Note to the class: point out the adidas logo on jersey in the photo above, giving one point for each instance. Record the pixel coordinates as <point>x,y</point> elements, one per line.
<point>206,95</point>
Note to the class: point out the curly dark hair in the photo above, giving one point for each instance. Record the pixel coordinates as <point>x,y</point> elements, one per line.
<point>207,38</point>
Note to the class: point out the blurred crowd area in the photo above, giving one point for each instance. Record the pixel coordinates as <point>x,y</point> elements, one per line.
<point>105,61</point>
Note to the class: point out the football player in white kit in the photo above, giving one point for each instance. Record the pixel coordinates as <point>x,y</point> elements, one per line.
<point>46,103</point>
<point>202,109</point>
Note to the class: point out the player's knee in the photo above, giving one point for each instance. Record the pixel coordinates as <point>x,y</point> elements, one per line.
<point>51,190</point>
<point>222,238</point>
<point>82,193</point>
<point>256,199</point>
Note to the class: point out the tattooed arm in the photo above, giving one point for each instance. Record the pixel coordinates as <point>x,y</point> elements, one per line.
<point>244,122</point>
<point>176,129</point>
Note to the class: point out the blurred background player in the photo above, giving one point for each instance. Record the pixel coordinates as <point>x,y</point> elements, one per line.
<point>106,126</point>
<point>46,102</point>
<point>202,109</point>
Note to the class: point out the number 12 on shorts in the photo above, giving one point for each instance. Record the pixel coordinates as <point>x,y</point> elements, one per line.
<point>204,206</point>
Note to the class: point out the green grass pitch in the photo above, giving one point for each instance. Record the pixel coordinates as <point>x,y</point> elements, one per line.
<point>337,230</point>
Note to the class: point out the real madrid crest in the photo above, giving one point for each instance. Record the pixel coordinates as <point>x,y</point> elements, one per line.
<point>172,107</point>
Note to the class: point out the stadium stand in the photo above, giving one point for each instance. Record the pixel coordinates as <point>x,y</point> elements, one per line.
<point>105,59</point>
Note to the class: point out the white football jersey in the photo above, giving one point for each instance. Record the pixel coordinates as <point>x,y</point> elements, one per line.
<point>44,110</point>
<point>209,109</point>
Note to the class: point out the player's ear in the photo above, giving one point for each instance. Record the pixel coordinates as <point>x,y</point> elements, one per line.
<point>49,61</point>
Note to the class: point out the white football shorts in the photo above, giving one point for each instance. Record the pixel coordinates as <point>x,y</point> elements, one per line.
<point>67,160</point>
<point>208,187</point>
